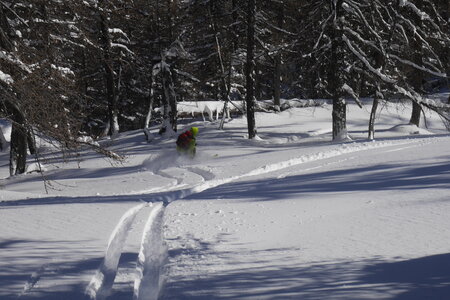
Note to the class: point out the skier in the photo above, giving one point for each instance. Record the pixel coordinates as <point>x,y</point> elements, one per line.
<point>186,142</point>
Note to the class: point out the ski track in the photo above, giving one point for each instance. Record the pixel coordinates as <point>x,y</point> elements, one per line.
<point>170,196</point>
<point>101,284</point>
<point>206,174</point>
<point>286,174</point>
<point>179,180</point>
<point>152,254</point>
<point>152,257</point>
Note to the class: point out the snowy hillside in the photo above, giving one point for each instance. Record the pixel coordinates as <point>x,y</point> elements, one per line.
<point>289,215</point>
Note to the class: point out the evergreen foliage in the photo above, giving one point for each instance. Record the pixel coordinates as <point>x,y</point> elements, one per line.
<point>94,67</point>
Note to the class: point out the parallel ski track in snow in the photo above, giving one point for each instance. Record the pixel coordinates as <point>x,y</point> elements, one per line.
<point>153,253</point>
<point>100,286</point>
<point>152,257</point>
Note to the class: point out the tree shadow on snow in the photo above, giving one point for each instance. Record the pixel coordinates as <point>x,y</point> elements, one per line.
<point>375,178</point>
<point>29,272</point>
<point>422,278</point>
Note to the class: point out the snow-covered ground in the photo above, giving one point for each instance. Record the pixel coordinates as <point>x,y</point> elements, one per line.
<point>289,215</point>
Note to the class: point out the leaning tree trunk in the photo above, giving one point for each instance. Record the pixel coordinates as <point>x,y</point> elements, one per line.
<point>250,68</point>
<point>373,113</point>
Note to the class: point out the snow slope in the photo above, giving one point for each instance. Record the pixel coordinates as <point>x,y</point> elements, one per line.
<point>289,215</point>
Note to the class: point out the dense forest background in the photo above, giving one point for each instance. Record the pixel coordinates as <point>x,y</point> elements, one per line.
<point>96,67</point>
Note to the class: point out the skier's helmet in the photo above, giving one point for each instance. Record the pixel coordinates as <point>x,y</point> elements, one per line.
<point>194,131</point>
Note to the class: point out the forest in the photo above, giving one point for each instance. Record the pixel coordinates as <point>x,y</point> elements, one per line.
<point>77,71</point>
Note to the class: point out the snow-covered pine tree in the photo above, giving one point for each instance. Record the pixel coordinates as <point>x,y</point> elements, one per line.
<point>330,56</point>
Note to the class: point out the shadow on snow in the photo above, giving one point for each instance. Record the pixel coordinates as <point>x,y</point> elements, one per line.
<point>413,279</point>
<point>374,178</point>
<point>55,277</point>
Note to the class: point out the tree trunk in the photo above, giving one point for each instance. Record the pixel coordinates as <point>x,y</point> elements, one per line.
<point>277,81</point>
<point>151,99</point>
<point>18,152</point>
<point>417,75</point>
<point>415,115</point>
<point>373,113</point>
<point>250,68</point>
<point>19,138</point>
<point>339,119</point>
<point>339,114</point>
<point>169,100</point>
<point>31,142</point>
<point>105,38</point>
<point>18,143</point>
<point>2,140</point>
<point>278,59</point>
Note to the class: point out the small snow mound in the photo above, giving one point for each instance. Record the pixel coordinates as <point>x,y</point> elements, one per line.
<point>35,167</point>
<point>342,137</point>
<point>87,139</point>
<point>409,129</point>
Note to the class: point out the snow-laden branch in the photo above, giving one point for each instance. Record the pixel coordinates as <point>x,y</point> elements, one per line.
<point>416,66</point>
<point>364,20</point>
<point>65,40</point>
<point>361,39</point>
<point>418,33</point>
<point>6,78</point>
<point>14,13</point>
<point>119,31</point>
<point>14,60</point>
<point>420,13</point>
<point>348,89</point>
<point>439,107</point>
<point>63,70</point>
<point>187,75</point>
<point>403,32</point>
<point>123,47</point>
<point>380,16</point>
<point>323,25</point>
<point>364,60</point>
